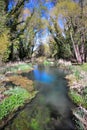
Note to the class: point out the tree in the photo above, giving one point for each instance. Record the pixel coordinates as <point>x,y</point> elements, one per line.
<point>74,23</point>
<point>4,32</point>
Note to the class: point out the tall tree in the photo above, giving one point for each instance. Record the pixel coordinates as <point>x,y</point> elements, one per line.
<point>74,22</point>
<point>4,31</point>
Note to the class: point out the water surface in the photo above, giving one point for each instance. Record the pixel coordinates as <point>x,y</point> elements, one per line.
<point>51,109</point>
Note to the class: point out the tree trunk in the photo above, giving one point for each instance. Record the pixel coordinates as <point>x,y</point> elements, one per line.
<point>76,50</point>
<point>82,53</point>
<point>11,52</point>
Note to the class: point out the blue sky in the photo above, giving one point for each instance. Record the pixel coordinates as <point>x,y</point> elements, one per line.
<point>34,4</point>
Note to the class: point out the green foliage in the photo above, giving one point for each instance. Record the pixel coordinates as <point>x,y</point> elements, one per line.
<point>4,32</point>
<point>84,91</point>
<point>76,98</point>
<point>84,67</point>
<point>35,125</point>
<point>66,51</point>
<point>20,67</point>
<point>4,43</point>
<point>16,97</point>
<point>6,55</point>
<point>2,16</point>
<point>37,121</point>
<point>84,94</point>
<point>46,62</point>
<point>79,99</point>
<point>77,74</point>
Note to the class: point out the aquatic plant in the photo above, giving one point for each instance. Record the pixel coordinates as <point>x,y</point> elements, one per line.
<point>35,125</point>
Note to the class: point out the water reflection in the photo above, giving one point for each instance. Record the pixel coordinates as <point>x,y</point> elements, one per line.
<point>43,77</point>
<point>51,109</point>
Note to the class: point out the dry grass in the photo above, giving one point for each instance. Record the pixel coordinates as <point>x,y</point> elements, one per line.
<point>22,81</point>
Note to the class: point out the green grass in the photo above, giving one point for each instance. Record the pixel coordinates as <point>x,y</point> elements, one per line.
<point>21,67</point>
<point>81,67</point>
<point>84,67</point>
<point>76,98</point>
<point>16,97</point>
<point>79,99</point>
<point>46,62</point>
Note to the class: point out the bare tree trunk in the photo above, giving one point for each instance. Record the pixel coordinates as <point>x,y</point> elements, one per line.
<point>82,52</point>
<point>76,50</point>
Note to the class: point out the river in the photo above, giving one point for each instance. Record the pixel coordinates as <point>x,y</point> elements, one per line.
<point>51,109</point>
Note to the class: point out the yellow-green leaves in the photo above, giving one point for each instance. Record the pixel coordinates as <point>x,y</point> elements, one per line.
<point>66,8</point>
<point>4,42</point>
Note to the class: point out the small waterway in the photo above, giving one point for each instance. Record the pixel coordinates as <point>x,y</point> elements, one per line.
<point>51,109</point>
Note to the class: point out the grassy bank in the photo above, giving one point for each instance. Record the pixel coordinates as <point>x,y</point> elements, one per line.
<point>77,82</point>
<point>14,97</point>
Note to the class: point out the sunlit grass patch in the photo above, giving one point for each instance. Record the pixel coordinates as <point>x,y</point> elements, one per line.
<point>76,98</point>
<point>16,98</point>
<point>84,67</point>
<point>46,62</point>
<point>20,67</point>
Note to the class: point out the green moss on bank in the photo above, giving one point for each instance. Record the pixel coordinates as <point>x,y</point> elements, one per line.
<point>77,82</point>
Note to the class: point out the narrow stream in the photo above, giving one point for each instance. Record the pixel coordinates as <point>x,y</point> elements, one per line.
<point>51,109</point>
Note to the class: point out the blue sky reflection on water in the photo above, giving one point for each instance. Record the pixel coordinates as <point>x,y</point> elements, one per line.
<point>43,77</point>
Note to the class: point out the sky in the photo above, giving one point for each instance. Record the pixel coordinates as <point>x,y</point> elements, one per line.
<point>49,4</point>
<point>32,3</point>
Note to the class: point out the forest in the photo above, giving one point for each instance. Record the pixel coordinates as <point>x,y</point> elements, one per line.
<point>32,29</point>
<point>40,39</point>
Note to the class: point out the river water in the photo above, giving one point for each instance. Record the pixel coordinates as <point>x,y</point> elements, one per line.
<point>51,109</point>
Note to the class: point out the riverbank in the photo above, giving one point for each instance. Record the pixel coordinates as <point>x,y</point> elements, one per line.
<point>15,90</point>
<point>77,82</point>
